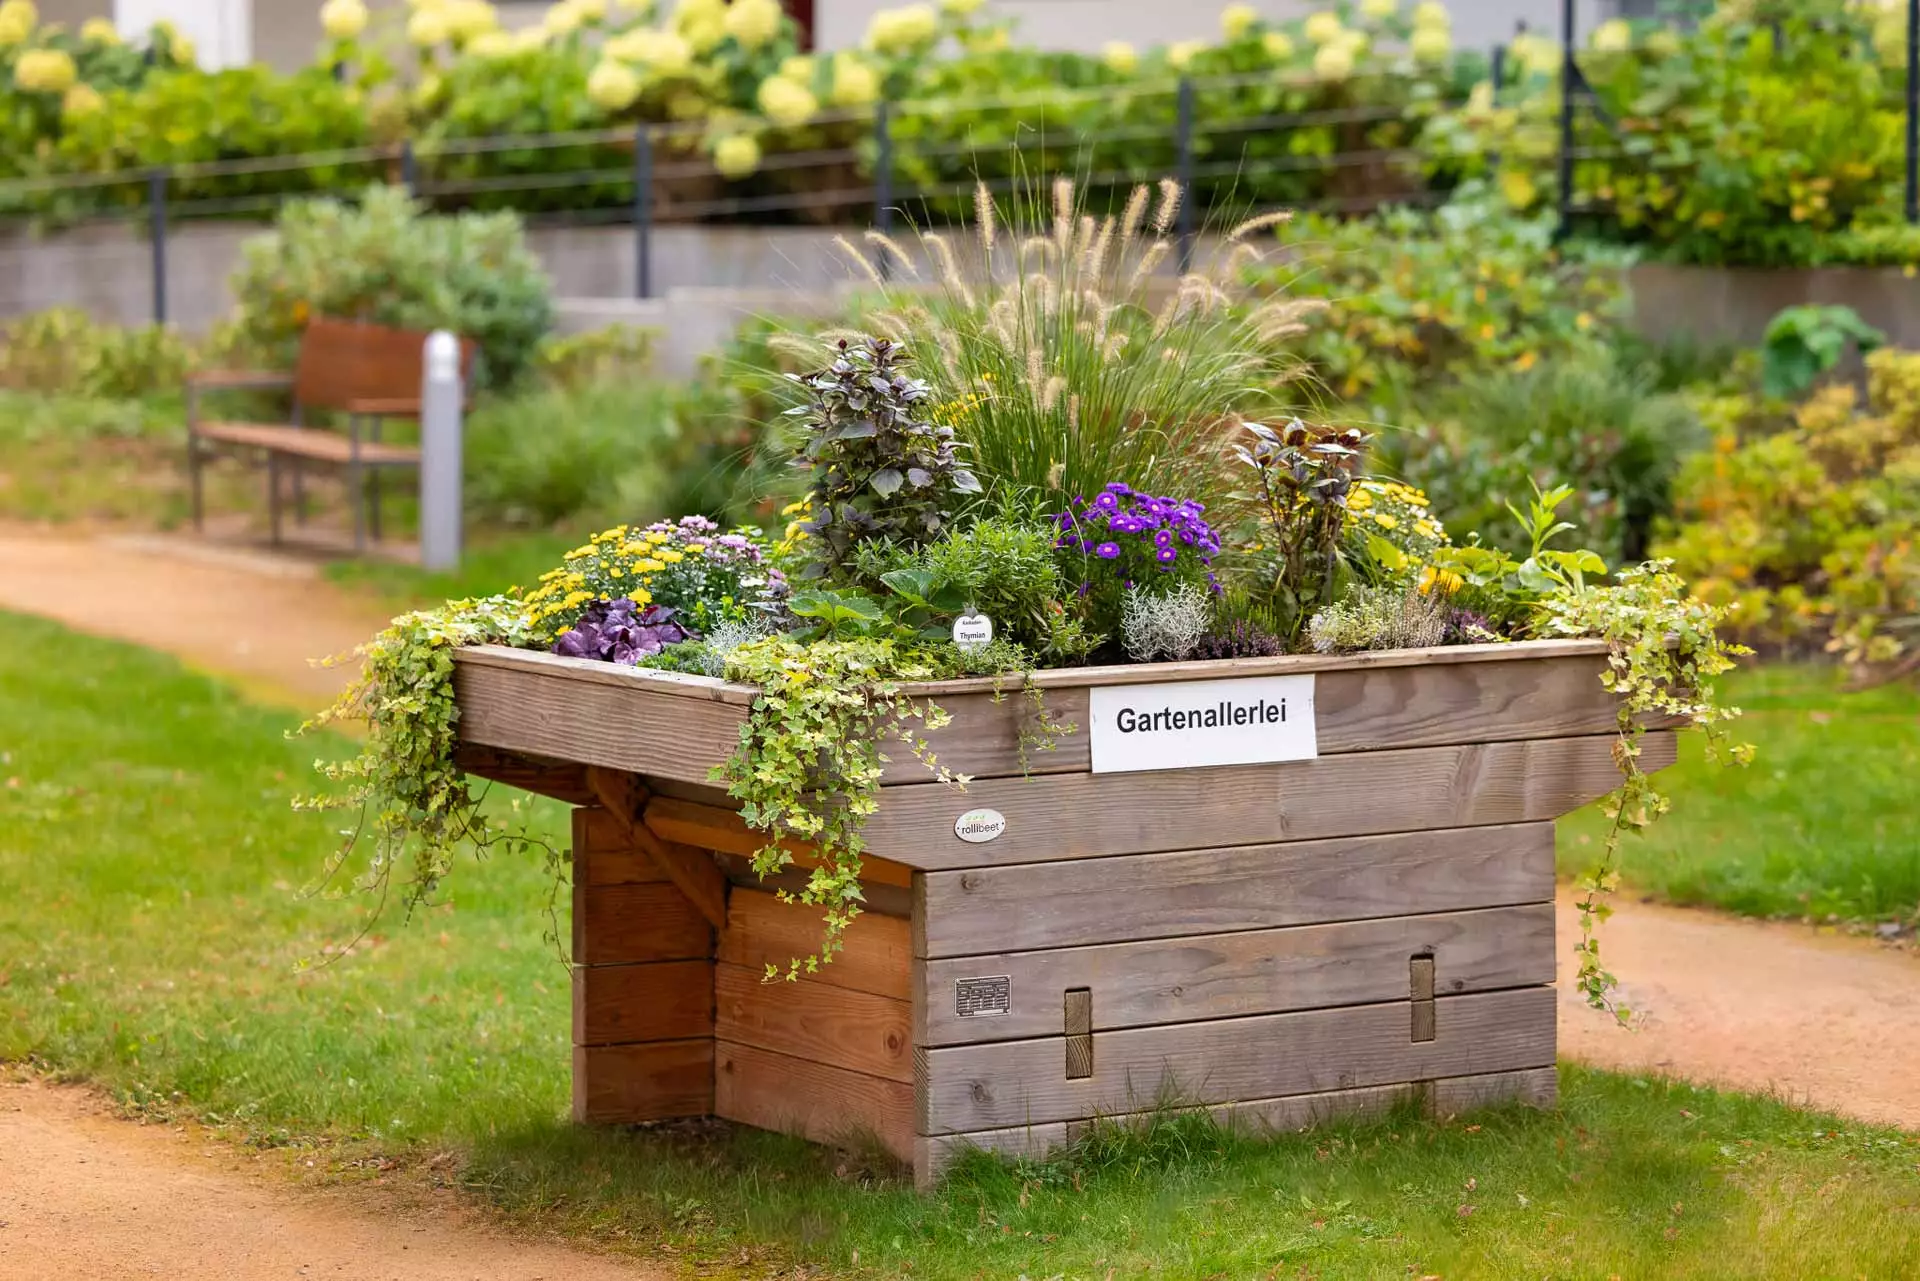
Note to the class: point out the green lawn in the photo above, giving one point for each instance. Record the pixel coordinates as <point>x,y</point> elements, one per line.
<point>150,931</point>
<point>1826,821</point>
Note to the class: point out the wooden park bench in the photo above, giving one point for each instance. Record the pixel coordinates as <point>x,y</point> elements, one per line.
<point>366,373</point>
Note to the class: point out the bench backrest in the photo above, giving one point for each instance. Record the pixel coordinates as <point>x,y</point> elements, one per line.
<point>341,362</point>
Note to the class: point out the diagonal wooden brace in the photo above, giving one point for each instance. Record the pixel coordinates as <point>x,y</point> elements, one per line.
<point>692,871</point>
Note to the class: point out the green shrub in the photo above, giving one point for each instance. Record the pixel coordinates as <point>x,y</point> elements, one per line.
<point>610,354</point>
<point>1423,299</point>
<point>382,260</point>
<point>1812,531</point>
<point>1709,146</point>
<point>1591,422</point>
<point>64,351</point>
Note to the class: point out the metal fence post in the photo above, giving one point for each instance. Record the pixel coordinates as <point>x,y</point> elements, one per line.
<point>1496,77</point>
<point>883,179</point>
<point>157,229</point>
<point>409,168</point>
<point>1183,170</point>
<point>642,212</point>
<point>1913,110</point>
<point>1569,74</point>
<point>440,462</point>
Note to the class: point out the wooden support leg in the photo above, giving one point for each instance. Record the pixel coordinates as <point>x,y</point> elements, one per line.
<point>373,504</point>
<point>642,983</point>
<point>299,491</point>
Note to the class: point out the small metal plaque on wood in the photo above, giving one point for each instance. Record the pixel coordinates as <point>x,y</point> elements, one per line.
<point>982,997</point>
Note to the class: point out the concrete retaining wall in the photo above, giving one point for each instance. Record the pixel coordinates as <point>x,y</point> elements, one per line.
<point>706,278</point>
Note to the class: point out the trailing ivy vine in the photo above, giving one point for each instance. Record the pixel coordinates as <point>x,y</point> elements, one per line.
<point>810,758</point>
<point>414,804</point>
<point>1662,657</point>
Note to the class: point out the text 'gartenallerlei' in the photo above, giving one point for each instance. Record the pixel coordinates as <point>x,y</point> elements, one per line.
<point>1221,715</point>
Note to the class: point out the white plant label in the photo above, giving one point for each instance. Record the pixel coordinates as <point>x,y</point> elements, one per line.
<point>977,827</point>
<point>1249,720</point>
<point>972,631</point>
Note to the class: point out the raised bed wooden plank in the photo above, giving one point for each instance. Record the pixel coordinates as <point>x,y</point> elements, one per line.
<point>653,921</point>
<point>1281,665</point>
<point>825,1104</point>
<point>1456,695</point>
<point>1128,897</point>
<point>1212,976</point>
<point>1067,816</point>
<point>654,1081</point>
<point>810,1020</point>
<point>567,713</point>
<point>562,780</point>
<point>650,1001</point>
<point>1011,1083</point>
<point>1448,1096</point>
<point>604,854</point>
<point>713,828</point>
<point>763,931</point>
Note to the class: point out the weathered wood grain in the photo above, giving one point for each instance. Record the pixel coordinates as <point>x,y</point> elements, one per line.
<point>826,1104</point>
<point>1070,816</point>
<point>1128,897</point>
<point>651,1001</point>
<point>572,710</point>
<point>710,827</point>
<point>603,852</point>
<point>561,780</point>
<point>1449,1096</point>
<point>1009,1083</point>
<point>763,931</point>
<point>645,922</point>
<point>653,1081</point>
<point>622,796</point>
<point>567,714</point>
<point>810,1020</point>
<point>1207,976</point>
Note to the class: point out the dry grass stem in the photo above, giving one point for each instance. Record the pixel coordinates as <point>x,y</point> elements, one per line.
<point>853,255</point>
<point>891,247</point>
<point>1169,206</point>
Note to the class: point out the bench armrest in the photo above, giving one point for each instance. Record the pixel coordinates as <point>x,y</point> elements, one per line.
<point>395,407</point>
<point>217,379</point>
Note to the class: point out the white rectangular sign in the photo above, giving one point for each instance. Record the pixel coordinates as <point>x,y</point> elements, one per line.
<point>1247,720</point>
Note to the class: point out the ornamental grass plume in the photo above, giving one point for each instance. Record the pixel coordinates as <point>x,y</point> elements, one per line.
<point>1065,350</point>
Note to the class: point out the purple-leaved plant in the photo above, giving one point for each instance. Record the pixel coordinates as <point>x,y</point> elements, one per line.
<point>618,631</point>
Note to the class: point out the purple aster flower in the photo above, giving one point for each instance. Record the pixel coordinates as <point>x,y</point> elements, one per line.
<point>1163,539</point>
<point>1107,502</point>
<point>1166,555</point>
<point>1107,551</point>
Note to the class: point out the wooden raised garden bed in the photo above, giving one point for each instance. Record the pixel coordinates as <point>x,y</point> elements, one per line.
<point>1284,941</point>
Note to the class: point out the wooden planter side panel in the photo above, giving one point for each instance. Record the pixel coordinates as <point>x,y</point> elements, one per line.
<point>552,712</point>
<point>1446,1096</point>
<point>1129,897</point>
<point>1213,976</point>
<point>1014,1083</point>
<point>642,984</point>
<point>1080,816</point>
<point>829,1055</point>
<point>676,727</point>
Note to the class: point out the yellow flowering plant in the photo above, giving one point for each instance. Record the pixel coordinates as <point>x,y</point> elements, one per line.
<point>707,576</point>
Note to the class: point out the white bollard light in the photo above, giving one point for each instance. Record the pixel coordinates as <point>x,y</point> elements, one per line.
<point>440,427</point>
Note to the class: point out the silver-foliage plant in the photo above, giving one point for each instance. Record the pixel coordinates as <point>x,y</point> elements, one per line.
<point>1390,617</point>
<point>1167,626</point>
<point>1069,352</point>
